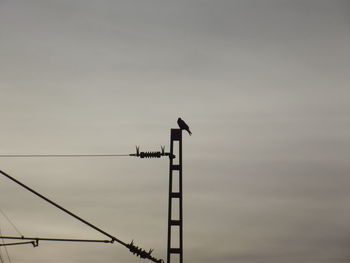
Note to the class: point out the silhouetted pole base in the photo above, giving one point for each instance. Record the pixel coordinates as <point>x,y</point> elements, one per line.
<point>175,242</point>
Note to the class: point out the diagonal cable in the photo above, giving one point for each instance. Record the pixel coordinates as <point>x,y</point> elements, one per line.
<point>3,242</point>
<point>133,249</point>
<point>12,224</point>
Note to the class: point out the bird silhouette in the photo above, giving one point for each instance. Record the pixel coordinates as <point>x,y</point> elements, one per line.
<point>183,125</point>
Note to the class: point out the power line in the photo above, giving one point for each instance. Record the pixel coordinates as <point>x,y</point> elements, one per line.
<point>59,155</point>
<point>1,260</point>
<point>63,209</point>
<point>3,242</point>
<point>8,219</point>
<point>133,249</point>
<point>157,154</point>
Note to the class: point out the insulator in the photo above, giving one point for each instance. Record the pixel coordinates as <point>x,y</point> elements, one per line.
<point>142,253</point>
<point>150,154</point>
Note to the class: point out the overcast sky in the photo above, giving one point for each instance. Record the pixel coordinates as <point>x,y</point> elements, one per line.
<point>263,84</point>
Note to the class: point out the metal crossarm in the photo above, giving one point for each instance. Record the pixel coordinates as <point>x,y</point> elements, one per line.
<point>19,243</point>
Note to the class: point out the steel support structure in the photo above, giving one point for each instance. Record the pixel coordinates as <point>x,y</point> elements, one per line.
<point>175,222</point>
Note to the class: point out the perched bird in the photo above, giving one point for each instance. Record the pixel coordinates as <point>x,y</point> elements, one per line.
<point>183,125</point>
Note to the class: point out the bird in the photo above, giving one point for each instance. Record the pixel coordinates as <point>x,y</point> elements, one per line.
<point>183,125</point>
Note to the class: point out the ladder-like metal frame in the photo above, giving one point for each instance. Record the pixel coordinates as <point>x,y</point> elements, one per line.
<point>177,223</point>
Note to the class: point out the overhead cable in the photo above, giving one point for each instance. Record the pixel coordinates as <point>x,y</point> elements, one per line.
<point>7,253</point>
<point>133,249</point>
<point>59,155</point>
<point>8,219</point>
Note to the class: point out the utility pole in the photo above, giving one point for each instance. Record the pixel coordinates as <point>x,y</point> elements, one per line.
<point>175,215</point>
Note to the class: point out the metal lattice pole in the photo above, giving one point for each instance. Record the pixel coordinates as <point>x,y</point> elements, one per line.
<point>175,173</point>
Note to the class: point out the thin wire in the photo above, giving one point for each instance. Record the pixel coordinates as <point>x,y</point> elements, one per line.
<point>59,155</point>
<point>2,261</point>
<point>7,253</point>
<point>13,225</point>
<point>133,249</point>
<point>63,209</point>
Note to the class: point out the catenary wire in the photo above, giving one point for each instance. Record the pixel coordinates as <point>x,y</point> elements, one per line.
<point>59,155</point>
<point>5,248</point>
<point>133,249</point>
<point>12,224</point>
<point>62,208</point>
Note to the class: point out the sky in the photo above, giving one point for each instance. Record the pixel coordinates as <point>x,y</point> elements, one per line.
<point>263,85</point>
